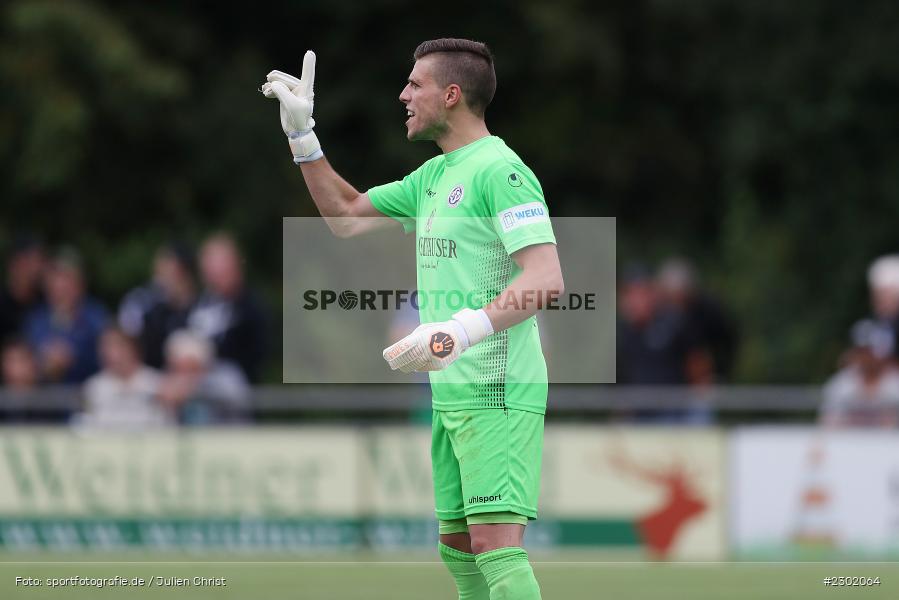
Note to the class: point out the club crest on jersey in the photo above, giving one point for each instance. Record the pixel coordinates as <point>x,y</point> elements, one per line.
<point>455,196</point>
<point>442,344</point>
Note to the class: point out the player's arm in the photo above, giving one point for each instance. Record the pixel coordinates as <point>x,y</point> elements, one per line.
<point>347,211</point>
<point>435,346</point>
<point>539,282</point>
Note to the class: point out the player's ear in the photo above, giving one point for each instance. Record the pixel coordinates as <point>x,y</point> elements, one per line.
<point>452,95</point>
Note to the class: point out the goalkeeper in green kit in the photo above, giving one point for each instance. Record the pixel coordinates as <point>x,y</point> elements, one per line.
<point>482,233</point>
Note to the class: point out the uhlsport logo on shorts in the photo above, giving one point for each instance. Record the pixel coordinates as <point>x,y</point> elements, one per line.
<point>442,344</point>
<point>455,196</point>
<point>482,499</point>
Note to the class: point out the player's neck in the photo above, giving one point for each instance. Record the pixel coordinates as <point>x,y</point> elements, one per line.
<point>462,134</point>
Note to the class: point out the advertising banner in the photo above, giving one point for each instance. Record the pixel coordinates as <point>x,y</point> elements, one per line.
<point>798,492</point>
<point>654,492</point>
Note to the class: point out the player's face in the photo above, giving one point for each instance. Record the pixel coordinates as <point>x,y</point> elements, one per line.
<point>425,102</point>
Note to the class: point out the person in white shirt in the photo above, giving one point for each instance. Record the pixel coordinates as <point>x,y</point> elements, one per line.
<point>865,393</point>
<point>197,388</point>
<point>124,393</point>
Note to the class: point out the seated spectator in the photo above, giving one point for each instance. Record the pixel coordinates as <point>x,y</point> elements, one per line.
<point>20,381</point>
<point>153,312</point>
<point>64,331</point>
<point>19,366</point>
<point>197,388</point>
<point>865,393</point>
<point>22,290</point>
<point>123,393</point>
<point>228,313</point>
<point>711,333</point>
<point>883,283</point>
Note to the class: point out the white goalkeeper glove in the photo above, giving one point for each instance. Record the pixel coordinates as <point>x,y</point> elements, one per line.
<point>435,346</point>
<point>295,96</point>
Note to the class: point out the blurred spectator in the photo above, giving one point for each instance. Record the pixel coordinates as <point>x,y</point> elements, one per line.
<point>137,302</point>
<point>227,312</point>
<point>654,348</point>
<point>20,380</point>
<point>652,342</point>
<point>883,283</point>
<point>123,393</point>
<point>711,335</point>
<point>20,370</point>
<point>64,330</point>
<point>153,312</point>
<point>865,393</point>
<point>198,389</point>
<point>22,289</point>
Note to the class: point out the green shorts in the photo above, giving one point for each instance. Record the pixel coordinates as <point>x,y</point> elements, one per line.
<point>486,461</point>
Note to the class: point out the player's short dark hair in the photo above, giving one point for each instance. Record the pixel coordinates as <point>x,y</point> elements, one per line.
<point>466,63</point>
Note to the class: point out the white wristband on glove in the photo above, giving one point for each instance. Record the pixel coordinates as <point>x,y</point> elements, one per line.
<point>435,346</point>
<point>305,146</point>
<point>476,324</point>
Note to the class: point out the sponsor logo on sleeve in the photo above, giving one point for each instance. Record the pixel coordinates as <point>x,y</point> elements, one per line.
<point>521,215</point>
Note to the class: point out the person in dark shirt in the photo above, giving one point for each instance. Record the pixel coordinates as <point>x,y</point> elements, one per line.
<point>228,313</point>
<point>18,366</point>
<point>654,348</point>
<point>652,343</point>
<point>151,313</point>
<point>64,330</point>
<point>22,290</point>
<point>711,334</point>
<point>21,376</point>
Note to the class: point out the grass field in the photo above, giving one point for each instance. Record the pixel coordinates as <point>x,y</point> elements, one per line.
<point>383,578</point>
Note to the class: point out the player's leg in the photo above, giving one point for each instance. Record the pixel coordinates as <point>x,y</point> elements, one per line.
<point>455,544</point>
<point>499,454</point>
<point>502,559</point>
<point>489,531</point>
<point>457,541</point>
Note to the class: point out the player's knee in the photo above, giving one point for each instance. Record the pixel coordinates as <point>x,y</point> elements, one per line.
<point>457,541</point>
<point>481,543</point>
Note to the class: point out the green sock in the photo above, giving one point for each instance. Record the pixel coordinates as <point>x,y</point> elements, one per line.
<point>508,574</point>
<point>469,580</point>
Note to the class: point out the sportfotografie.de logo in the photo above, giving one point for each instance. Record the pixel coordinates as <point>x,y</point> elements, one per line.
<point>384,300</point>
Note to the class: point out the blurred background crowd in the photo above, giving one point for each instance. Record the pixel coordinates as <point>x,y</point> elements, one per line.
<point>182,348</point>
<point>187,345</point>
<point>672,331</point>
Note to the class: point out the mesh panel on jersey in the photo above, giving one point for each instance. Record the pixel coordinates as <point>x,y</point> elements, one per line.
<point>492,276</point>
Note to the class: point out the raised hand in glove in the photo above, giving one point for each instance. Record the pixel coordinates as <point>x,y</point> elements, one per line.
<point>295,96</point>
